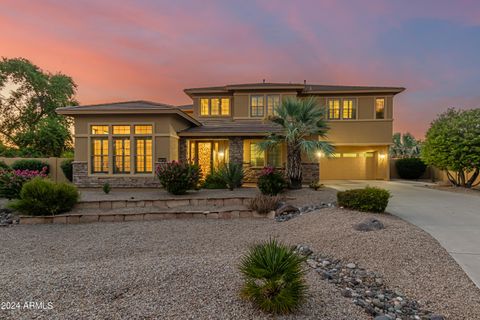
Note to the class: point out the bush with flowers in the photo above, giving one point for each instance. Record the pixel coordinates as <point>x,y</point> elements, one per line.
<point>271,182</point>
<point>178,177</point>
<point>11,181</point>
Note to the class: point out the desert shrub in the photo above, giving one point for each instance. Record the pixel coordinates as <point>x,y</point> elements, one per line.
<point>67,168</point>
<point>43,197</point>
<point>4,166</point>
<point>368,199</point>
<point>232,175</point>
<point>30,164</point>
<point>264,203</point>
<point>410,168</point>
<point>315,185</point>
<point>11,181</point>
<point>178,177</point>
<point>271,182</point>
<point>214,181</point>
<point>274,277</point>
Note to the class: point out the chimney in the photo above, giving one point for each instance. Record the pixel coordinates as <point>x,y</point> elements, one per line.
<point>305,82</point>
<point>263,80</point>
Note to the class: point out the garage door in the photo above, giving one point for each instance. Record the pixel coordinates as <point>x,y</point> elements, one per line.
<point>348,166</point>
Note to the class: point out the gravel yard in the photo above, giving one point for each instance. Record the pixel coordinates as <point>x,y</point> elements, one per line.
<point>186,269</point>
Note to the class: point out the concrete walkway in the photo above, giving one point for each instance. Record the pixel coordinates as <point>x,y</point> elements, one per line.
<point>451,218</point>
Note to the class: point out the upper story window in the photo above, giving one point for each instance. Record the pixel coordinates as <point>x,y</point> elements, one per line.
<point>273,102</point>
<point>349,110</point>
<point>121,130</point>
<point>99,130</point>
<point>214,107</point>
<point>334,109</point>
<point>380,108</point>
<point>257,106</point>
<point>342,109</point>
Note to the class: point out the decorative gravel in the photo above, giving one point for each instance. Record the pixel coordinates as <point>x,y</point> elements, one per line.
<point>187,269</point>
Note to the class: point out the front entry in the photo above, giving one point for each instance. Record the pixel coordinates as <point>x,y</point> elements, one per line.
<point>208,154</point>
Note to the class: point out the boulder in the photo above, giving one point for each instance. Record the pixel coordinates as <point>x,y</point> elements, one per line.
<point>286,209</point>
<point>370,224</point>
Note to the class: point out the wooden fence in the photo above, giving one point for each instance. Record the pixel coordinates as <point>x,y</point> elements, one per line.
<point>56,172</point>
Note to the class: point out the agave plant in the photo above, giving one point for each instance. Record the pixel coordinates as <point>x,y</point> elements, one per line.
<point>274,277</point>
<point>232,174</point>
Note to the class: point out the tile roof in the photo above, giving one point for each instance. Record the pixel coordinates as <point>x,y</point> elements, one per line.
<point>302,88</point>
<point>236,128</point>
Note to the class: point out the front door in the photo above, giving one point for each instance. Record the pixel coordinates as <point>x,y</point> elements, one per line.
<point>205,156</point>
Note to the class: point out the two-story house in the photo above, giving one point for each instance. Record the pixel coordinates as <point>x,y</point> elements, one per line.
<point>121,143</point>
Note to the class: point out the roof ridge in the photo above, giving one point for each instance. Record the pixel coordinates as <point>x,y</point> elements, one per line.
<point>126,102</point>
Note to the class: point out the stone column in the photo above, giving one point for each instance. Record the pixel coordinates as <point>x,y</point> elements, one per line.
<point>182,149</point>
<point>235,150</point>
<point>80,173</point>
<point>310,172</point>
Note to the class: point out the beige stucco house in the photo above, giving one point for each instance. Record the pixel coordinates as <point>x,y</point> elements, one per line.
<point>121,143</point>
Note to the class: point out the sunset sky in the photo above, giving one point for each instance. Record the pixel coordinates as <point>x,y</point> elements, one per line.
<point>152,50</point>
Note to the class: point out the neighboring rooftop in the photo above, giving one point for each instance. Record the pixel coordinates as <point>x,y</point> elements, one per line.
<point>301,88</point>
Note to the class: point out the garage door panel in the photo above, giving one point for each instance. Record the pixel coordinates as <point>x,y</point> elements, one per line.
<point>347,168</point>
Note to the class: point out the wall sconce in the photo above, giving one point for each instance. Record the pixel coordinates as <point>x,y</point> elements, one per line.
<point>221,154</point>
<point>320,154</point>
<point>382,156</point>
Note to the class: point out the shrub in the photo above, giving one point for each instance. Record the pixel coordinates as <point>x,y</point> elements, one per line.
<point>11,181</point>
<point>274,277</point>
<point>214,181</point>
<point>263,204</point>
<point>368,199</point>
<point>410,168</point>
<point>67,168</point>
<point>44,197</point>
<point>178,177</point>
<point>232,175</point>
<point>30,164</point>
<point>271,182</point>
<point>4,166</point>
<point>106,188</point>
<point>315,185</point>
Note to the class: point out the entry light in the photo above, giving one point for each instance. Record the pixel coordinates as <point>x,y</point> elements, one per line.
<point>382,156</point>
<point>221,154</point>
<point>320,154</point>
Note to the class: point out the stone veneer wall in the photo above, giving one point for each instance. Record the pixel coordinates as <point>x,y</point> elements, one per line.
<point>182,149</point>
<point>83,180</point>
<point>310,172</point>
<point>235,149</point>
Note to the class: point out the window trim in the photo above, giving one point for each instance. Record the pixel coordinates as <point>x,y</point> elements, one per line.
<point>265,155</point>
<point>110,138</point>
<point>341,118</point>
<point>384,107</point>
<point>263,106</point>
<point>266,103</point>
<point>220,114</point>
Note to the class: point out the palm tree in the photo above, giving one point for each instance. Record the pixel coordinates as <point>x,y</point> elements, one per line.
<point>303,123</point>
<point>405,146</point>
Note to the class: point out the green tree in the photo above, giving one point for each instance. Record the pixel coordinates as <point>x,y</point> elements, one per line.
<point>453,144</point>
<point>303,123</point>
<point>33,97</point>
<point>405,146</point>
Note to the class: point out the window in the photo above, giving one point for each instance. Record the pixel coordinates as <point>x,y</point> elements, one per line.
<point>99,162</point>
<point>215,107</point>
<point>350,155</point>
<point>204,107</point>
<point>143,155</point>
<point>257,156</point>
<point>256,106</point>
<point>142,129</point>
<point>121,129</point>
<point>334,109</point>
<point>380,108</point>
<point>273,102</point>
<point>349,109</point>
<point>121,155</point>
<point>225,106</point>
<point>99,130</point>
<point>274,156</point>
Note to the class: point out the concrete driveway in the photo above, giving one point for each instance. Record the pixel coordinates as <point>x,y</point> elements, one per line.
<point>451,218</point>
